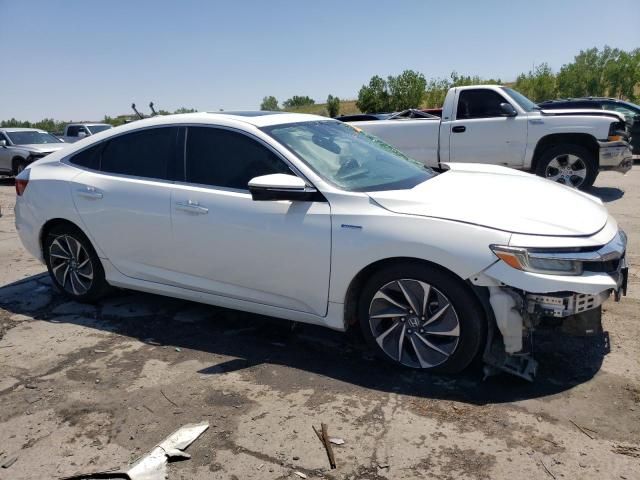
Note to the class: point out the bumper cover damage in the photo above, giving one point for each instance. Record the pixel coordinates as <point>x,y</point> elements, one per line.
<point>521,301</point>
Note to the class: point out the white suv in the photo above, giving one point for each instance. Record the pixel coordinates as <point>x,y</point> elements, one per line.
<point>312,220</point>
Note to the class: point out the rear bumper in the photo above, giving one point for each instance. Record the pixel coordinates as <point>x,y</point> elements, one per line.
<point>616,156</point>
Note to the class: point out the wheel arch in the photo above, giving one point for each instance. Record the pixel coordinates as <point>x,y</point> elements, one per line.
<point>582,139</point>
<point>15,160</point>
<point>55,222</point>
<point>357,284</point>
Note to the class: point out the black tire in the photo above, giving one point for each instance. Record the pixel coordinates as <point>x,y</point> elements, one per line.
<point>19,164</point>
<point>467,311</point>
<point>65,235</point>
<point>579,151</point>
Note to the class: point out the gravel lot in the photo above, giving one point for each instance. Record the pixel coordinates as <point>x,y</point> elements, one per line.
<point>87,388</point>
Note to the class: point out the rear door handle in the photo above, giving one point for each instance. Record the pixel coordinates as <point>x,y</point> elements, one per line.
<point>192,207</point>
<point>90,192</point>
<point>458,129</point>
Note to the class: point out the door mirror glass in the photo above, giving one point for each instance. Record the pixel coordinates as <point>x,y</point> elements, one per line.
<point>279,186</point>
<point>508,110</point>
<point>3,143</point>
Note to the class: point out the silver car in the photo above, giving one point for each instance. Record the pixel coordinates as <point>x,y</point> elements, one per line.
<point>21,146</point>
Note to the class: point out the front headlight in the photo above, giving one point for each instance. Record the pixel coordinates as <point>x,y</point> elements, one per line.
<point>550,263</point>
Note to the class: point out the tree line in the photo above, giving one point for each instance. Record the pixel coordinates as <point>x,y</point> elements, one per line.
<point>593,72</point>
<point>57,126</point>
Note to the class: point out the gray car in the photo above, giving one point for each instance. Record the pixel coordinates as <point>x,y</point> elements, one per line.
<point>21,146</point>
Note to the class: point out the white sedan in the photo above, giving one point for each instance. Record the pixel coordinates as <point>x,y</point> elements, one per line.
<point>308,219</point>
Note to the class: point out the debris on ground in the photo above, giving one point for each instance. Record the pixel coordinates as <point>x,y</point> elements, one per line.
<point>336,440</point>
<point>627,450</point>
<point>10,461</point>
<point>153,466</point>
<point>584,430</point>
<point>300,474</point>
<point>323,436</point>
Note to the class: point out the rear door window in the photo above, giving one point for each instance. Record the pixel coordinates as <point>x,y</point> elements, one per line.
<point>145,153</point>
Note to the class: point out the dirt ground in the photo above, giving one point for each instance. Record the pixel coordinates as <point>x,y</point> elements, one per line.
<point>87,388</point>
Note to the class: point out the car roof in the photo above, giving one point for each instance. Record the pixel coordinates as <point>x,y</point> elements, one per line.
<point>256,118</point>
<point>16,129</point>
<point>87,124</point>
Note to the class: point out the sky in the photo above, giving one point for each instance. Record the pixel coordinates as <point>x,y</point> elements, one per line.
<point>82,59</point>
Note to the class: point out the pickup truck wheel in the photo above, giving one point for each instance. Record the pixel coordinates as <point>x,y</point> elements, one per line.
<point>419,317</point>
<point>73,264</point>
<point>19,165</point>
<point>571,165</point>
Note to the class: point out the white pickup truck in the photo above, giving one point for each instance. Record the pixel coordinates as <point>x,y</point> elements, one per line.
<point>497,125</point>
<point>76,131</point>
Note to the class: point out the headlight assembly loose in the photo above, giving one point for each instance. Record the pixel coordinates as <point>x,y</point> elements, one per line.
<point>550,263</point>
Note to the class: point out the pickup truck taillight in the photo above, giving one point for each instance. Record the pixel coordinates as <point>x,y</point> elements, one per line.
<point>21,182</point>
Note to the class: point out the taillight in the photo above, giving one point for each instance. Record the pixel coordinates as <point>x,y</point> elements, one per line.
<point>21,182</point>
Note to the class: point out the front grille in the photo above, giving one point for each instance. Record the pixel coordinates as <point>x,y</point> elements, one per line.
<point>609,266</point>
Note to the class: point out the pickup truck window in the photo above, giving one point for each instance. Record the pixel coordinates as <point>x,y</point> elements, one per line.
<point>480,103</point>
<point>98,128</point>
<point>526,104</point>
<point>72,130</point>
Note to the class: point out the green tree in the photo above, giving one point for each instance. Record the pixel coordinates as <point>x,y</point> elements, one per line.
<point>539,84</point>
<point>298,101</point>
<point>333,106</point>
<point>586,75</point>
<point>186,110</point>
<point>270,103</point>
<point>406,90</point>
<point>374,97</point>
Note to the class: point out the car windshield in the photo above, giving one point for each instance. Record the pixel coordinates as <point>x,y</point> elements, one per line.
<point>98,128</point>
<point>31,137</point>
<point>526,104</point>
<point>349,158</point>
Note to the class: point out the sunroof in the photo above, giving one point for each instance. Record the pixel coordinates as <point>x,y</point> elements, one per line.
<point>249,113</point>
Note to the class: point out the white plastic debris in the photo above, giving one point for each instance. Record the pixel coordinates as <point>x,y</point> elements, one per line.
<point>336,440</point>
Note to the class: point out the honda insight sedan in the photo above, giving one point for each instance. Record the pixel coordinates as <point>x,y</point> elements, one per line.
<point>309,219</point>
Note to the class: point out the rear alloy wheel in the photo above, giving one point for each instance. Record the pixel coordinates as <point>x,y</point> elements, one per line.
<point>570,165</point>
<point>73,265</point>
<point>421,318</point>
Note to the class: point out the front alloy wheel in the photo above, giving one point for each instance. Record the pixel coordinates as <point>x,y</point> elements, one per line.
<point>567,169</point>
<point>414,323</point>
<point>420,316</point>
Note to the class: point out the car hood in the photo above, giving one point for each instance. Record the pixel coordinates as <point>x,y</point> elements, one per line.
<point>43,147</point>
<point>499,198</point>
<point>582,111</point>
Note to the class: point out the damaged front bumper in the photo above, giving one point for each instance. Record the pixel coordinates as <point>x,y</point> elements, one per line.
<point>616,156</point>
<point>521,300</point>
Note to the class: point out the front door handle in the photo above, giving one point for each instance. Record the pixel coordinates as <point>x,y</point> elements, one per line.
<point>90,192</point>
<point>458,129</point>
<point>192,207</point>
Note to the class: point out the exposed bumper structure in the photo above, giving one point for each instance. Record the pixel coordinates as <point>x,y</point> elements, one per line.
<point>616,156</point>
<point>520,300</point>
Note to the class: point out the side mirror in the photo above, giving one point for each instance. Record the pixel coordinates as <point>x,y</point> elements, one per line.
<point>508,110</point>
<point>82,134</point>
<point>279,186</point>
<point>3,143</point>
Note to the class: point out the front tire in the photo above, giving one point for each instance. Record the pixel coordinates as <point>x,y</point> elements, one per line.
<point>568,164</point>
<point>73,264</point>
<point>19,165</point>
<point>421,317</point>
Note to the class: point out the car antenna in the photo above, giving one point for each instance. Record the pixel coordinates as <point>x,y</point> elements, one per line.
<point>140,116</point>
<point>153,111</point>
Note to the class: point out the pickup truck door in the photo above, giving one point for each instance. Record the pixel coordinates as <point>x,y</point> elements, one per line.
<point>481,133</point>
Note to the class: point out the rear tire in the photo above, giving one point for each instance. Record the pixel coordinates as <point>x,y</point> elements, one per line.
<point>441,333</point>
<point>73,264</point>
<point>568,164</point>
